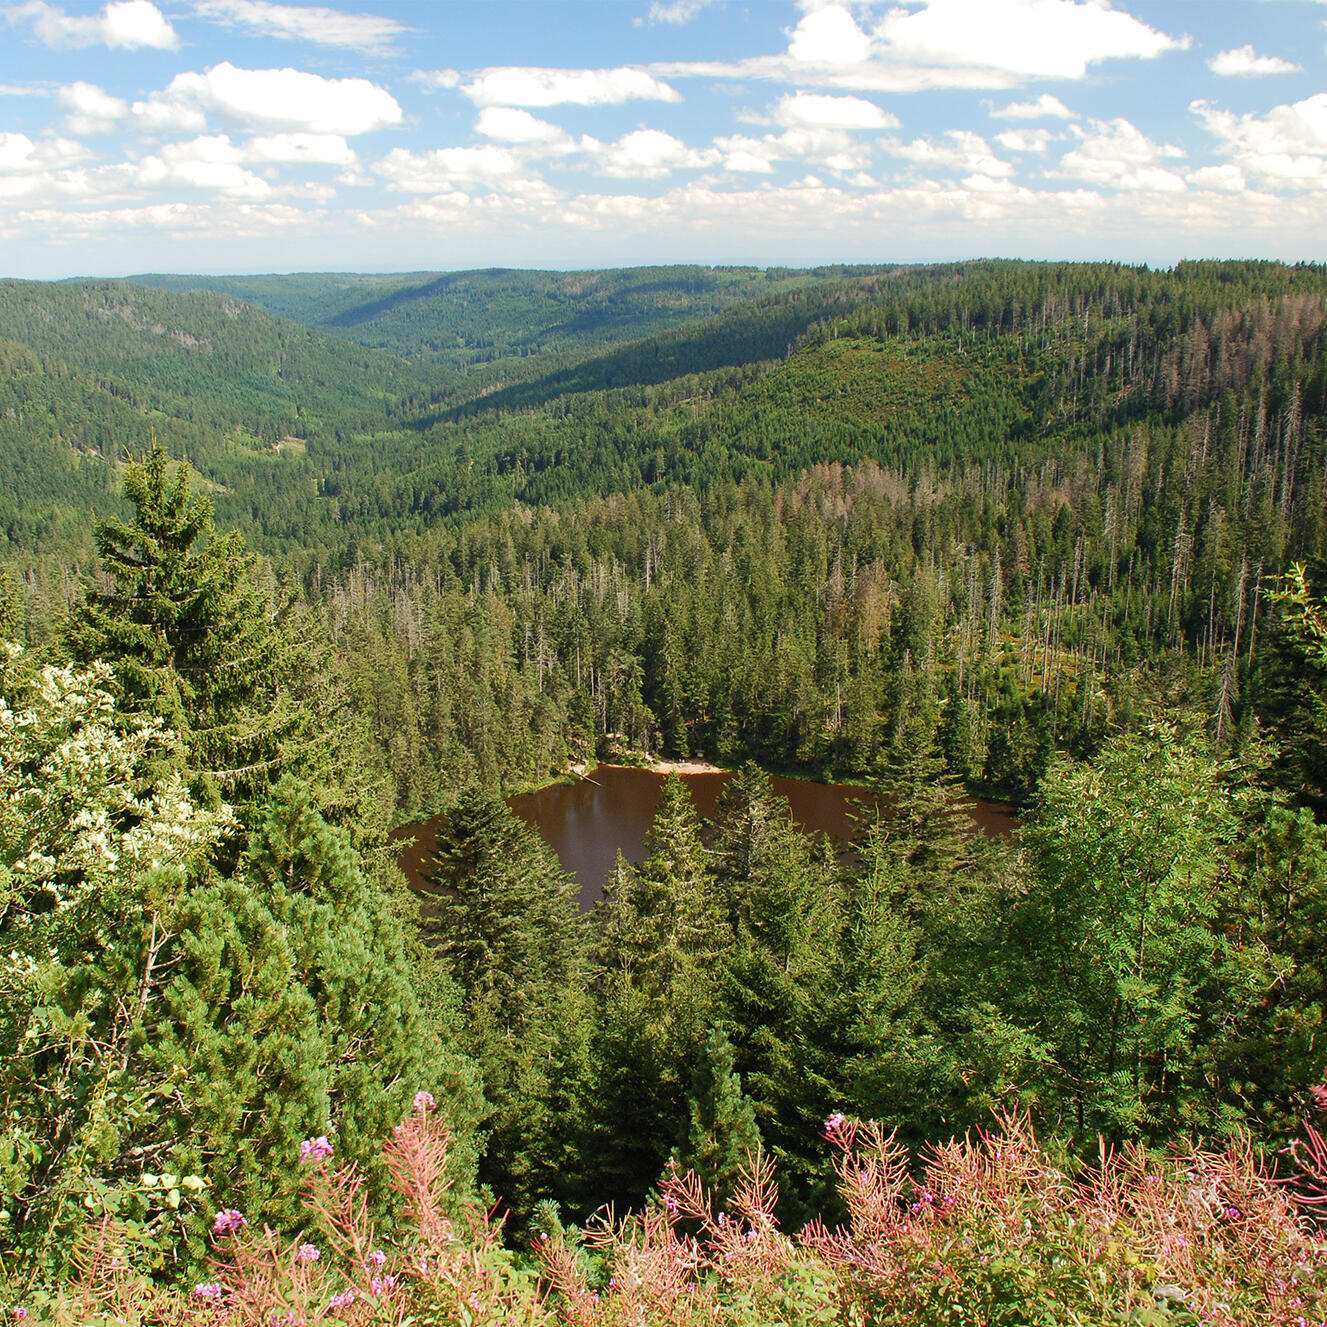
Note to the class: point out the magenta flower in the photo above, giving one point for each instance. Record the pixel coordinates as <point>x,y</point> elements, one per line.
<point>314,1149</point>
<point>345,1298</point>
<point>210,1290</point>
<point>835,1123</point>
<point>377,1257</point>
<point>424,1101</point>
<point>307,1253</point>
<point>228,1222</point>
<point>20,1313</point>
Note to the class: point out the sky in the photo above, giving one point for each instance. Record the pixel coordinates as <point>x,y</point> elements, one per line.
<point>243,136</point>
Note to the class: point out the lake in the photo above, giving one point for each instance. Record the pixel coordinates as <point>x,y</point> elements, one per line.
<point>586,822</point>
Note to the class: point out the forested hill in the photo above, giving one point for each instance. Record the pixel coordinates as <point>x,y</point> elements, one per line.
<point>460,319</point>
<point>1004,495</point>
<point>1052,531</point>
<point>90,370</point>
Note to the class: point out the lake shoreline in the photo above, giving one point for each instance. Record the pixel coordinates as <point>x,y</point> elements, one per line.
<point>658,767</point>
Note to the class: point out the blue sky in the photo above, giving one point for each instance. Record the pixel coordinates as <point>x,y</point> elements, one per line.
<point>255,136</point>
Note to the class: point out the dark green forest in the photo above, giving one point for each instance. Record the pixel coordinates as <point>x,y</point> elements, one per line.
<point>285,561</point>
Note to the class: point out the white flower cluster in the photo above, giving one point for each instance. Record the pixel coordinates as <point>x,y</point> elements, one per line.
<point>74,814</point>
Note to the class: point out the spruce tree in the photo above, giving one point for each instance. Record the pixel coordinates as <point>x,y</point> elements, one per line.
<point>503,916</point>
<point>661,935</point>
<point>196,640</point>
<point>719,1139</point>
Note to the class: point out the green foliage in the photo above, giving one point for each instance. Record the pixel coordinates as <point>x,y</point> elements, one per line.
<point>503,917</point>
<point>158,1018</point>
<point>197,643</point>
<point>1127,965</point>
<point>721,1139</point>
<point>659,939</point>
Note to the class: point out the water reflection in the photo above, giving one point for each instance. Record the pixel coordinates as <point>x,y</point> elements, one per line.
<point>588,821</point>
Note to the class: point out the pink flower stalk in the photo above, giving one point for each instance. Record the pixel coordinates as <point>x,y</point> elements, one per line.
<point>210,1290</point>
<point>343,1300</point>
<point>307,1253</point>
<point>834,1123</point>
<point>314,1149</point>
<point>377,1257</point>
<point>228,1222</point>
<point>20,1313</point>
<point>424,1101</point>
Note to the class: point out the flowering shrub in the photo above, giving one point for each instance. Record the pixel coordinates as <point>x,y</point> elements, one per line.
<point>989,1230</point>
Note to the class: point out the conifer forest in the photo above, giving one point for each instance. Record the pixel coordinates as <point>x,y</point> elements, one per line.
<point>289,562</point>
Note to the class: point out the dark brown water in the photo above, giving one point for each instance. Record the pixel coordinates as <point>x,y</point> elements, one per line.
<point>586,822</point>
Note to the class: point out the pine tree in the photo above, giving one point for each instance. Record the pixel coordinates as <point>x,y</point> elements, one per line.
<point>661,933</point>
<point>504,918</point>
<point>779,980</point>
<point>196,640</point>
<point>170,1018</point>
<point>719,1139</point>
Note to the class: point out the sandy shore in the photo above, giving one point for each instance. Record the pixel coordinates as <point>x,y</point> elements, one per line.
<point>672,767</point>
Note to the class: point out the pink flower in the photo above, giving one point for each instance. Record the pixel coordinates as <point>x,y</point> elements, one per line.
<point>377,1257</point>
<point>314,1149</point>
<point>381,1284</point>
<point>20,1313</point>
<point>340,1301</point>
<point>834,1123</point>
<point>307,1253</point>
<point>424,1101</point>
<point>228,1222</point>
<point>210,1290</point>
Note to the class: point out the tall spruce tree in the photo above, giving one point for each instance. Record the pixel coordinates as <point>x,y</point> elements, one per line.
<point>661,935</point>
<point>504,917</point>
<point>197,640</point>
<point>719,1139</point>
<point>164,1017</point>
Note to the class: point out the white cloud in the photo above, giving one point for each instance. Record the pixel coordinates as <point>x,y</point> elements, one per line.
<point>649,154</point>
<point>744,160</point>
<point>507,125</point>
<point>1116,154</point>
<point>431,79</point>
<point>1245,62</point>
<point>166,113</point>
<point>19,153</point>
<point>962,151</point>
<point>821,112</point>
<point>12,90</point>
<point>679,11</point>
<point>947,44</point>
<point>828,149</point>
<point>89,109</point>
<point>301,149</point>
<point>314,23</point>
<point>16,151</point>
<point>1287,147</point>
<point>438,171</point>
<point>207,161</point>
<point>1044,107</point>
<point>554,87</point>
<point>1226,179</point>
<point>1024,140</point>
<point>829,36</point>
<point>271,99</point>
<point>122,25</point>
<point>1025,38</point>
